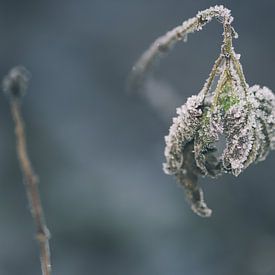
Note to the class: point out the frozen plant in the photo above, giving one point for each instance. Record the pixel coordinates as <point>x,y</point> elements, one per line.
<point>230,110</point>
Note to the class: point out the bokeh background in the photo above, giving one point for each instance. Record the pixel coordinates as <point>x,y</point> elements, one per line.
<point>99,151</point>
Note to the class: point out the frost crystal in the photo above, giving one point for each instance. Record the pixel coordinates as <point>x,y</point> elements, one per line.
<point>241,117</point>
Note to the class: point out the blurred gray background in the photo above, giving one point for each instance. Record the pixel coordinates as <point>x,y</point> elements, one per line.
<point>98,151</point>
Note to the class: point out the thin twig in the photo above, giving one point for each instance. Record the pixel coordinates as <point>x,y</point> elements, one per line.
<point>166,42</point>
<point>14,85</point>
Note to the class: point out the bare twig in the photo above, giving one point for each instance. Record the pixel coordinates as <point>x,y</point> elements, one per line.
<point>15,84</point>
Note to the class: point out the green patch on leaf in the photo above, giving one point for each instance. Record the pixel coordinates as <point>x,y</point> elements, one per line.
<point>227,98</point>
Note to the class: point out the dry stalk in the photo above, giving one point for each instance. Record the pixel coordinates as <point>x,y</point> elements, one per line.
<point>15,84</point>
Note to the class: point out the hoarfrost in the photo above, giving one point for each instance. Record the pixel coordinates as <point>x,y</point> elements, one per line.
<point>226,109</point>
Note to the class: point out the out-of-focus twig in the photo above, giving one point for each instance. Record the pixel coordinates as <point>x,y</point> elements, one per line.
<point>15,84</point>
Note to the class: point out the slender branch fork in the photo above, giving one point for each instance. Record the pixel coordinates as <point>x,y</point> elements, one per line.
<point>14,85</point>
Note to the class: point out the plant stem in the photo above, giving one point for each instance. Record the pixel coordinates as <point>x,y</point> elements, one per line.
<point>164,43</point>
<point>31,185</point>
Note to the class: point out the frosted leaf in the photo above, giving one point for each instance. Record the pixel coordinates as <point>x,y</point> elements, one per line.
<point>239,128</point>
<point>250,130</point>
<point>204,146</point>
<point>179,152</point>
<point>181,132</point>
<point>264,104</point>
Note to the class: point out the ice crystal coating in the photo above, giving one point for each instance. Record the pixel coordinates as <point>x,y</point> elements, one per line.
<point>181,132</point>
<point>166,42</point>
<point>246,122</point>
<point>244,117</point>
<point>265,114</point>
<point>223,129</point>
